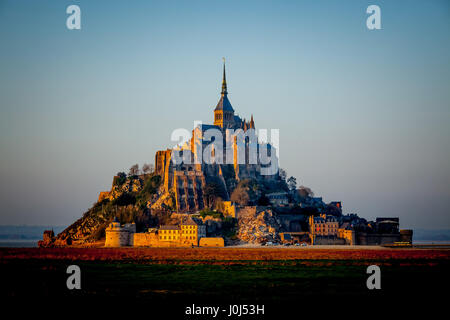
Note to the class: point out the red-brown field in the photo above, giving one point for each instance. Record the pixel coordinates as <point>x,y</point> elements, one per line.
<point>161,278</point>
<point>219,254</point>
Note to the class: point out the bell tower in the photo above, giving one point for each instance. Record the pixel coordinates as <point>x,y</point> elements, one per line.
<point>224,112</point>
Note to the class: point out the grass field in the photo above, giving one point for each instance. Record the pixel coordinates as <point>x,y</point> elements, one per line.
<point>181,255</point>
<point>173,278</point>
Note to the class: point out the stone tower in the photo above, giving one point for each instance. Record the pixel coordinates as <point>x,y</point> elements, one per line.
<point>224,113</point>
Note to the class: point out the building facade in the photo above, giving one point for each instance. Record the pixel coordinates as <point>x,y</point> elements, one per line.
<point>323,225</point>
<point>188,232</point>
<point>185,171</point>
<point>278,198</point>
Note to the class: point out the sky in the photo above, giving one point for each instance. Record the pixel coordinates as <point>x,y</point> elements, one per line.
<point>363,114</point>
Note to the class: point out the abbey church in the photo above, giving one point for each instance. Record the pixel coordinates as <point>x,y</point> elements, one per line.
<point>223,153</point>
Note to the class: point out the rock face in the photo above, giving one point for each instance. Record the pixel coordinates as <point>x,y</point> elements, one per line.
<point>213,225</point>
<point>257,226</point>
<point>119,201</point>
<point>49,240</point>
<point>143,200</point>
<point>163,201</point>
<point>132,185</point>
<point>84,228</point>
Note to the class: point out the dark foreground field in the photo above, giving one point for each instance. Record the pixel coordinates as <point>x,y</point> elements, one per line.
<point>177,278</point>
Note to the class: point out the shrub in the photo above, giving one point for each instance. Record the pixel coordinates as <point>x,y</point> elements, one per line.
<point>263,201</point>
<point>240,195</point>
<point>119,179</point>
<point>152,184</point>
<point>125,199</point>
<point>212,213</point>
<point>213,191</point>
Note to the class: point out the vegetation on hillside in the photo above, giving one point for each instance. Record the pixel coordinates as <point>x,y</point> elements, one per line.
<point>128,201</point>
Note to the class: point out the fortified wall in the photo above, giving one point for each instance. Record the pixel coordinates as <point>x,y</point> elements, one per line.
<point>189,186</point>
<point>324,240</point>
<point>211,242</point>
<point>120,236</point>
<point>376,239</point>
<point>151,239</point>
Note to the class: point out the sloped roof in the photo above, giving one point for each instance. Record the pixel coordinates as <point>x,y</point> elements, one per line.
<point>205,127</point>
<point>191,221</point>
<point>169,227</point>
<point>345,226</point>
<point>224,104</point>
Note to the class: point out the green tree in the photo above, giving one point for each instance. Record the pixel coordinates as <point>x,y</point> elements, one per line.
<point>120,179</point>
<point>212,191</point>
<point>125,199</point>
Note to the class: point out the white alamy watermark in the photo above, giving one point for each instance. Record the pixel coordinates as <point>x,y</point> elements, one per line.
<point>373,22</point>
<point>73,22</point>
<point>74,280</point>
<point>210,145</point>
<point>374,281</point>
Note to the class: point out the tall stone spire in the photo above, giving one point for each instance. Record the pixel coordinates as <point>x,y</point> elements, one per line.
<point>224,112</point>
<point>224,80</point>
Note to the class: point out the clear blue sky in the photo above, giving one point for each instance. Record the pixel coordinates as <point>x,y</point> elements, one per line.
<point>363,115</point>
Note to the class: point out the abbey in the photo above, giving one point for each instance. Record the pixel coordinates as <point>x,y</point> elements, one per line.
<point>231,173</point>
<point>224,153</point>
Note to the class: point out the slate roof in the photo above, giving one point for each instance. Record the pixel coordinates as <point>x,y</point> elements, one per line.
<point>224,104</point>
<point>169,227</point>
<point>322,220</point>
<point>345,226</point>
<point>205,127</point>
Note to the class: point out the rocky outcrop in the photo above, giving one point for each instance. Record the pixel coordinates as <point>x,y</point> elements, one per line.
<point>163,201</point>
<point>119,201</point>
<point>49,240</point>
<point>213,225</point>
<point>131,185</point>
<point>257,226</point>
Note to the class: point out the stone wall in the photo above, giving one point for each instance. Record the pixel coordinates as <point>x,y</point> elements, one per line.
<point>406,235</point>
<point>292,222</point>
<point>188,187</point>
<point>323,240</point>
<point>163,167</point>
<point>211,242</point>
<point>116,238</point>
<point>103,195</point>
<point>376,239</point>
<point>228,209</point>
<point>348,235</point>
<point>145,240</point>
<point>150,239</point>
